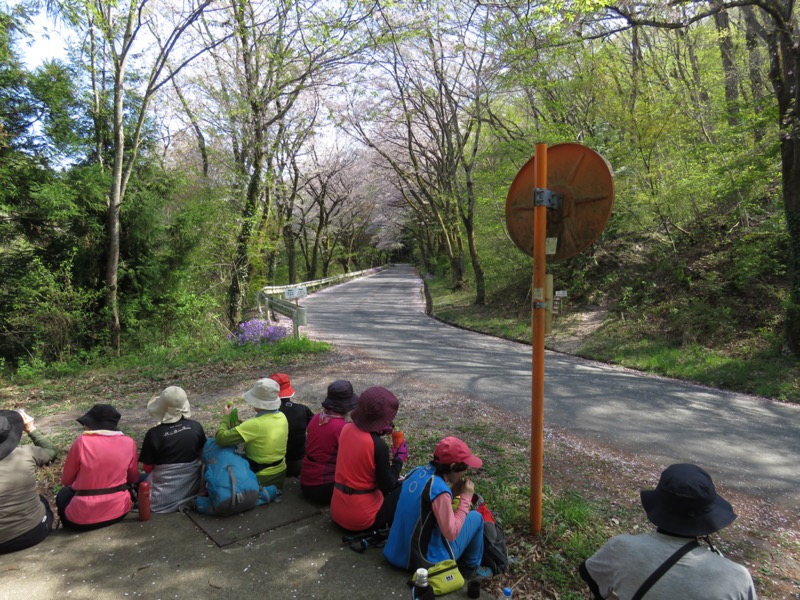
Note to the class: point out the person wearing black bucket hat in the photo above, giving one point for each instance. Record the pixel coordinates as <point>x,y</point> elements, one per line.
<point>322,442</point>
<point>100,465</point>
<point>365,488</point>
<point>25,515</point>
<point>670,562</point>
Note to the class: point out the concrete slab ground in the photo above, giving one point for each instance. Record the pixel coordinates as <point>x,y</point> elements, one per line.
<point>169,557</point>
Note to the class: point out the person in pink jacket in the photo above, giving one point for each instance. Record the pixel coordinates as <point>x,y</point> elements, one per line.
<point>99,466</point>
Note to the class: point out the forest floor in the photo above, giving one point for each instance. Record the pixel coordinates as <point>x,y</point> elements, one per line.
<point>764,538</point>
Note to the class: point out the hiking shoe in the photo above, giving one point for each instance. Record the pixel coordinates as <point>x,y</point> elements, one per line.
<point>481,572</point>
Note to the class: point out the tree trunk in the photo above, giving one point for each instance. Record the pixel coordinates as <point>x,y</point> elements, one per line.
<point>291,254</point>
<point>785,76</point>
<point>752,27</point>
<point>728,66</point>
<point>113,221</point>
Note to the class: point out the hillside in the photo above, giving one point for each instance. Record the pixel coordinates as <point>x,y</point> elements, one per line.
<point>705,305</point>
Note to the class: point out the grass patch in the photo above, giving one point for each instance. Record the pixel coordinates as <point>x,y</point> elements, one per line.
<point>458,307</point>
<point>761,371</point>
<point>64,387</point>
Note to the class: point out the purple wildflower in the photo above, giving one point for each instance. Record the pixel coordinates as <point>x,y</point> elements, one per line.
<point>257,331</point>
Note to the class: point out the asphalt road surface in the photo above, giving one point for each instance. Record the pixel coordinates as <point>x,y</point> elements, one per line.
<point>752,444</point>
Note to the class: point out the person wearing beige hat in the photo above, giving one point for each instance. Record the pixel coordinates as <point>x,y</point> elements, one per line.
<point>264,436</point>
<point>171,450</point>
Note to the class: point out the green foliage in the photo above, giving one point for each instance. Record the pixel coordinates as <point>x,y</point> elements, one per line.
<point>202,349</point>
<point>46,316</point>
<point>53,86</point>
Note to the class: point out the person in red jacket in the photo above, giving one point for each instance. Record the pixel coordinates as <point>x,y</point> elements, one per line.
<point>365,488</point>
<point>322,443</point>
<point>99,466</point>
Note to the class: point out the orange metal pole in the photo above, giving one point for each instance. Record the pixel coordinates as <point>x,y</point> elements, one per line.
<point>538,326</point>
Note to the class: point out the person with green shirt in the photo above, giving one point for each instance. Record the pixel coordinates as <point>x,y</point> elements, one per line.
<point>25,516</point>
<point>264,436</point>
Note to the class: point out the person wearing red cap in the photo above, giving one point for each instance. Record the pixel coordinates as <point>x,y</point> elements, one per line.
<point>298,416</point>
<point>418,541</point>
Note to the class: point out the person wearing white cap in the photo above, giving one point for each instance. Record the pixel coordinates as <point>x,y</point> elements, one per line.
<point>670,562</point>
<point>264,436</point>
<point>171,451</point>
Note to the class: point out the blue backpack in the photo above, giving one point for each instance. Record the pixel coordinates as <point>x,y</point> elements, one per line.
<point>232,487</point>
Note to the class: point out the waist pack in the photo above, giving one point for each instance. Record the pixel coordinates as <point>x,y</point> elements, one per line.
<point>231,486</point>
<point>444,577</point>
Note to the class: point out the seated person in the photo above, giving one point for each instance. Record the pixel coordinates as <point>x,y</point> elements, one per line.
<point>322,442</point>
<point>684,506</point>
<point>365,485</point>
<point>171,452</point>
<point>98,468</point>
<point>25,515</point>
<point>264,436</point>
<point>418,541</point>
<point>298,416</point>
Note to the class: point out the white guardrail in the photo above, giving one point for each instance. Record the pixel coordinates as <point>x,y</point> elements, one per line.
<point>267,302</point>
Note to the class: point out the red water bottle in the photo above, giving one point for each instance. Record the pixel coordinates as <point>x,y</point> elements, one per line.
<point>397,438</point>
<point>144,501</point>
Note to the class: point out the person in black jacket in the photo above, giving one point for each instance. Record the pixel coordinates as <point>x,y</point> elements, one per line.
<point>298,416</point>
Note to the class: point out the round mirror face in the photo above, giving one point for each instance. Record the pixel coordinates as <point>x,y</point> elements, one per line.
<point>584,180</point>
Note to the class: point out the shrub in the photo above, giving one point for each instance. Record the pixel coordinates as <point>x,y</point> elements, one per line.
<point>256,332</point>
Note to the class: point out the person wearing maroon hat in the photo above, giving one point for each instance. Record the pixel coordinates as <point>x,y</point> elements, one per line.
<point>365,486</point>
<point>670,562</point>
<point>298,416</point>
<point>418,541</point>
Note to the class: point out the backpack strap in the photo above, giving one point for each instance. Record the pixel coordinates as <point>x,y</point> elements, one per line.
<point>665,566</point>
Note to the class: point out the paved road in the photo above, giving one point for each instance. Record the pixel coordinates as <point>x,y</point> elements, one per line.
<point>751,444</point>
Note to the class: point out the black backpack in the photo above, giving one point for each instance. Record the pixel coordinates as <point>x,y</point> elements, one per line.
<point>495,555</point>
